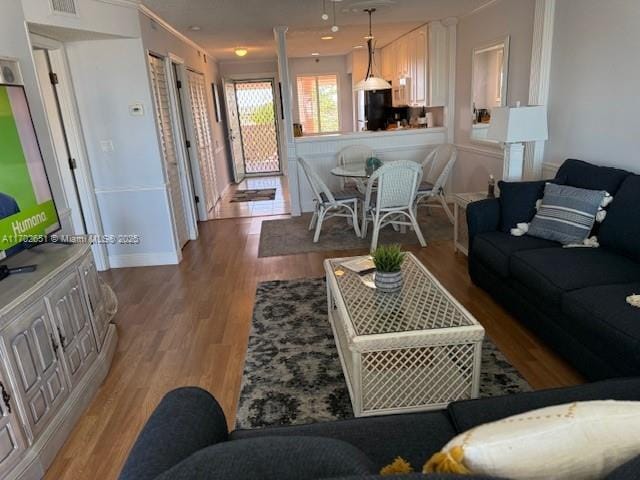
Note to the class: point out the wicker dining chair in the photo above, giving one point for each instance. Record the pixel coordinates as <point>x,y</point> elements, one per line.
<point>393,202</point>
<point>437,168</point>
<point>354,154</point>
<point>330,204</point>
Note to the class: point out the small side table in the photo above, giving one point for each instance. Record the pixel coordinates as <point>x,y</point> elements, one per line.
<point>460,230</point>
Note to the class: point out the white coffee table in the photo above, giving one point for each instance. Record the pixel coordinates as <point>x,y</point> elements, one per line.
<point>415,350</point>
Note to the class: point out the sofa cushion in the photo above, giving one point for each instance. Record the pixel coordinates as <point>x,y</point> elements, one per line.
<point>518,202</point>
<point>470,413</point>
<point>577,173</point>
<point>415,437</point>
<point>621,229</point>
<point>494,249</point>
<point>603,321</point>
<point>549,272</point>
<point>273,458</point>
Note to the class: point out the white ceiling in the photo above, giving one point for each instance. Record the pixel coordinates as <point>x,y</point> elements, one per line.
<point>226,24</point>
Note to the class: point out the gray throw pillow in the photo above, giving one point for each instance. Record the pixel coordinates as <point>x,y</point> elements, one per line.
<point>567,214</point>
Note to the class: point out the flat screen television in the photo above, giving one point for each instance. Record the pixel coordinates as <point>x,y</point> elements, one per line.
<point>27,210</point>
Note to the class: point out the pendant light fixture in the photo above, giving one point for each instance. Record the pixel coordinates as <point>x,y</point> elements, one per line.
<point>334,28</point>
<point>371,82</point>
<point>325,16</point>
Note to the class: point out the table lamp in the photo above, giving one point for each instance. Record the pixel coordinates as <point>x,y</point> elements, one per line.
<point>513,126</point>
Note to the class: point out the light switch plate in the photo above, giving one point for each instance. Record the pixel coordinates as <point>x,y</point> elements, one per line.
<point>106,146</point>
<point>136,110</point>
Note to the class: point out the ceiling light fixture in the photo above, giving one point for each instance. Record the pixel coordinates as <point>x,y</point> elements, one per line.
<point>358,46</point>
<point>325,16</point>
<point>241,52</point>
<point>327,37</point>
<point>315,54</point>
<point>371,82</point>
<point>335,28</point>
<point>195,28</point>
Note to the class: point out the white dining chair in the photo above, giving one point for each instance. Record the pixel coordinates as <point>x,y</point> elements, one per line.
<point>330,204</point>
<point>354,154</point>
<point>392,201</point>
<point>437,168</point>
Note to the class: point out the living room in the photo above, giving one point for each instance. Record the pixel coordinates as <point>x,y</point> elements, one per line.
<point>451,292</point>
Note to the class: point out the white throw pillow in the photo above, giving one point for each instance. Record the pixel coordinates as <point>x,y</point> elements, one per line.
<point>578,441</point>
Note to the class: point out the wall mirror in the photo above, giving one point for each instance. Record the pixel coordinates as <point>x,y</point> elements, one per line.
<point>490,68</point>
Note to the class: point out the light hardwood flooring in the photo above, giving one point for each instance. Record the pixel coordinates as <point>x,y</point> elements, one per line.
<point>189,325</point>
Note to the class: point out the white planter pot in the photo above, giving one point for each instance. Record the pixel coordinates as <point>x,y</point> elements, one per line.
<point>388,282</point>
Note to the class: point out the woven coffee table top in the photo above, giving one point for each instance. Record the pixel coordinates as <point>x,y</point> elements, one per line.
<point>422,304</point>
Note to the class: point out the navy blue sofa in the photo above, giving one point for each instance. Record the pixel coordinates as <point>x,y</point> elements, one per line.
<point>573,298</point>
<point>187,438</point>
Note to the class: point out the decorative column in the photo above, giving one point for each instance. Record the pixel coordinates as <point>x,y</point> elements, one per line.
<point>286,116</point>
<point>451,25</point>
<point>539,80</point>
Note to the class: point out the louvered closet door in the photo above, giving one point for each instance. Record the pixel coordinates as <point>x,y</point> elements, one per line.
<point>200,113</point>
<point>163,120</point>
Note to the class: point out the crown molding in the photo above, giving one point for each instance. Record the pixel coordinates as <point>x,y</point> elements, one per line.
<point>480,8</point>
<point>122,3</point>
<point>167,26</point>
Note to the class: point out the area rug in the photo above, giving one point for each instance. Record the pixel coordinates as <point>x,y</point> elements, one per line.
<point>290,236</point>
<point>254,195</point>
<point>292,373</point>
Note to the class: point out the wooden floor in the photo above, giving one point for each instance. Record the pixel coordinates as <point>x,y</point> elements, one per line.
<point>189,325</point>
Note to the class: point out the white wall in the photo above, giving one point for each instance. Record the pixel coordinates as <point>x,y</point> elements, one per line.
<point>14,44</point>
<point>157,39</point>
<point>594,104</point>
<point>326,65</point>
<point>504,17</point>
<point>109,75</point>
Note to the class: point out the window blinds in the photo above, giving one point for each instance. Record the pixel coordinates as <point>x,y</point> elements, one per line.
<point>318,103</point>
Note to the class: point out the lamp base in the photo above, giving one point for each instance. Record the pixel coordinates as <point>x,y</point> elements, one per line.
<point>513,168</point>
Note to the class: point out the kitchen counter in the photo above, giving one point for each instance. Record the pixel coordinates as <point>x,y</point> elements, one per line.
<point>321,152</point>
<point>369,134</point>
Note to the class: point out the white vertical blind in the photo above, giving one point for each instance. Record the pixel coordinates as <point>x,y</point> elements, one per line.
<point>318,103</point>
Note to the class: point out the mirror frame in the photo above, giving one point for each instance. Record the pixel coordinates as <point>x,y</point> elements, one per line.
<point>505,75</point>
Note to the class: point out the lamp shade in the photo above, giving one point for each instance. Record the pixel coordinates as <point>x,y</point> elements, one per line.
<point>373,83</point>
<point>518,124</point>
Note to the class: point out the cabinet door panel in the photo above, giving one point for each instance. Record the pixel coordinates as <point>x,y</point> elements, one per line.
<point>420,77</point>
<point>74,328</point>
<point>41,389</point>
<point>12,444</point>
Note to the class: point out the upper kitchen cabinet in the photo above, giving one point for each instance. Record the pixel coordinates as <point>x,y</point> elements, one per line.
<point>417,65</point>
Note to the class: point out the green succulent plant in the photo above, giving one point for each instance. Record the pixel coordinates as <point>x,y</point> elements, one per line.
<point>388,258</point>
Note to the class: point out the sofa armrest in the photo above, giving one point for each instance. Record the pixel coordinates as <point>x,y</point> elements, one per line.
<point>482,217</point>
<point>467,414</point>
<point>185,421</point>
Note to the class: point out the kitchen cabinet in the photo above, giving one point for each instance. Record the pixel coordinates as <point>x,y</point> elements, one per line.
<point>417,64</point>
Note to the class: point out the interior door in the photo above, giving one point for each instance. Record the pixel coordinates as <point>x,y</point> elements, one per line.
<point>167,139</point>
<point>202,133</point>
<point>235,138</point>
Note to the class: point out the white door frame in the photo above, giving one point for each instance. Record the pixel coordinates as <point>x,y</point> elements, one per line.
<point>77,146</point>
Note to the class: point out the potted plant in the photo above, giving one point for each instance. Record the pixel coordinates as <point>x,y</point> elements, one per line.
<point>388,260</point>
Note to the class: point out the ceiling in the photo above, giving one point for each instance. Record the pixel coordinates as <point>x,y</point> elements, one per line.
<point>226,24</point>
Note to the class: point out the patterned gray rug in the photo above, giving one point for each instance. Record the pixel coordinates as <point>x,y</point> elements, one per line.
<point>291,235</point>
<point>292,373</point>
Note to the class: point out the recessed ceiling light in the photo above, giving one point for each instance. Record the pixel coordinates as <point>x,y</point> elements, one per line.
<point>241,52</point>
<point>315,54</point>
<point>358,46</point>
<point>327,37</point>
<point>195,28</point>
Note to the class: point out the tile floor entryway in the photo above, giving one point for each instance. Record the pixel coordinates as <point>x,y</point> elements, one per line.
<point>279,206</point>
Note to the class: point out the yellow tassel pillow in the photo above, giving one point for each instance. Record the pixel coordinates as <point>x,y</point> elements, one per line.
<point>585,441</point>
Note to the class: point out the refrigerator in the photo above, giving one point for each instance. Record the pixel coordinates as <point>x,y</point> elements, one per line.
<point>373,109</point>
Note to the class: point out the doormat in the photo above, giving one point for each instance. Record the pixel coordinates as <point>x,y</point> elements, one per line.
<point>257,195</point>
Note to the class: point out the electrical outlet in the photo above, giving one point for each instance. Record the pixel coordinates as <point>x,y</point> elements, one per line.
<point>136,110</point>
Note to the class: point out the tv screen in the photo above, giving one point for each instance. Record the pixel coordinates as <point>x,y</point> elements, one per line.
<point>27,210</point>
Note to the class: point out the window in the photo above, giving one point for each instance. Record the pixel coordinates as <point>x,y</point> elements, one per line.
<point>318,103</point>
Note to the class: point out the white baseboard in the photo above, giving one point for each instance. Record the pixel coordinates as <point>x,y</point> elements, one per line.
<point>143,260</point>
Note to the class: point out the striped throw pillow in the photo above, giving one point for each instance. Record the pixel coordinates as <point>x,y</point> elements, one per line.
<point>567,214</point>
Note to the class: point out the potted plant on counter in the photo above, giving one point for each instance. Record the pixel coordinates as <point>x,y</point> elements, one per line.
<point>388,260</point>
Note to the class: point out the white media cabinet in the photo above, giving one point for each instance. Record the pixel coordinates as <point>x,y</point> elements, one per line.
<point>56,347</point>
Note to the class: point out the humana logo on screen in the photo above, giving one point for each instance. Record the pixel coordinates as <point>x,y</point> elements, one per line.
<point>23,226</point>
